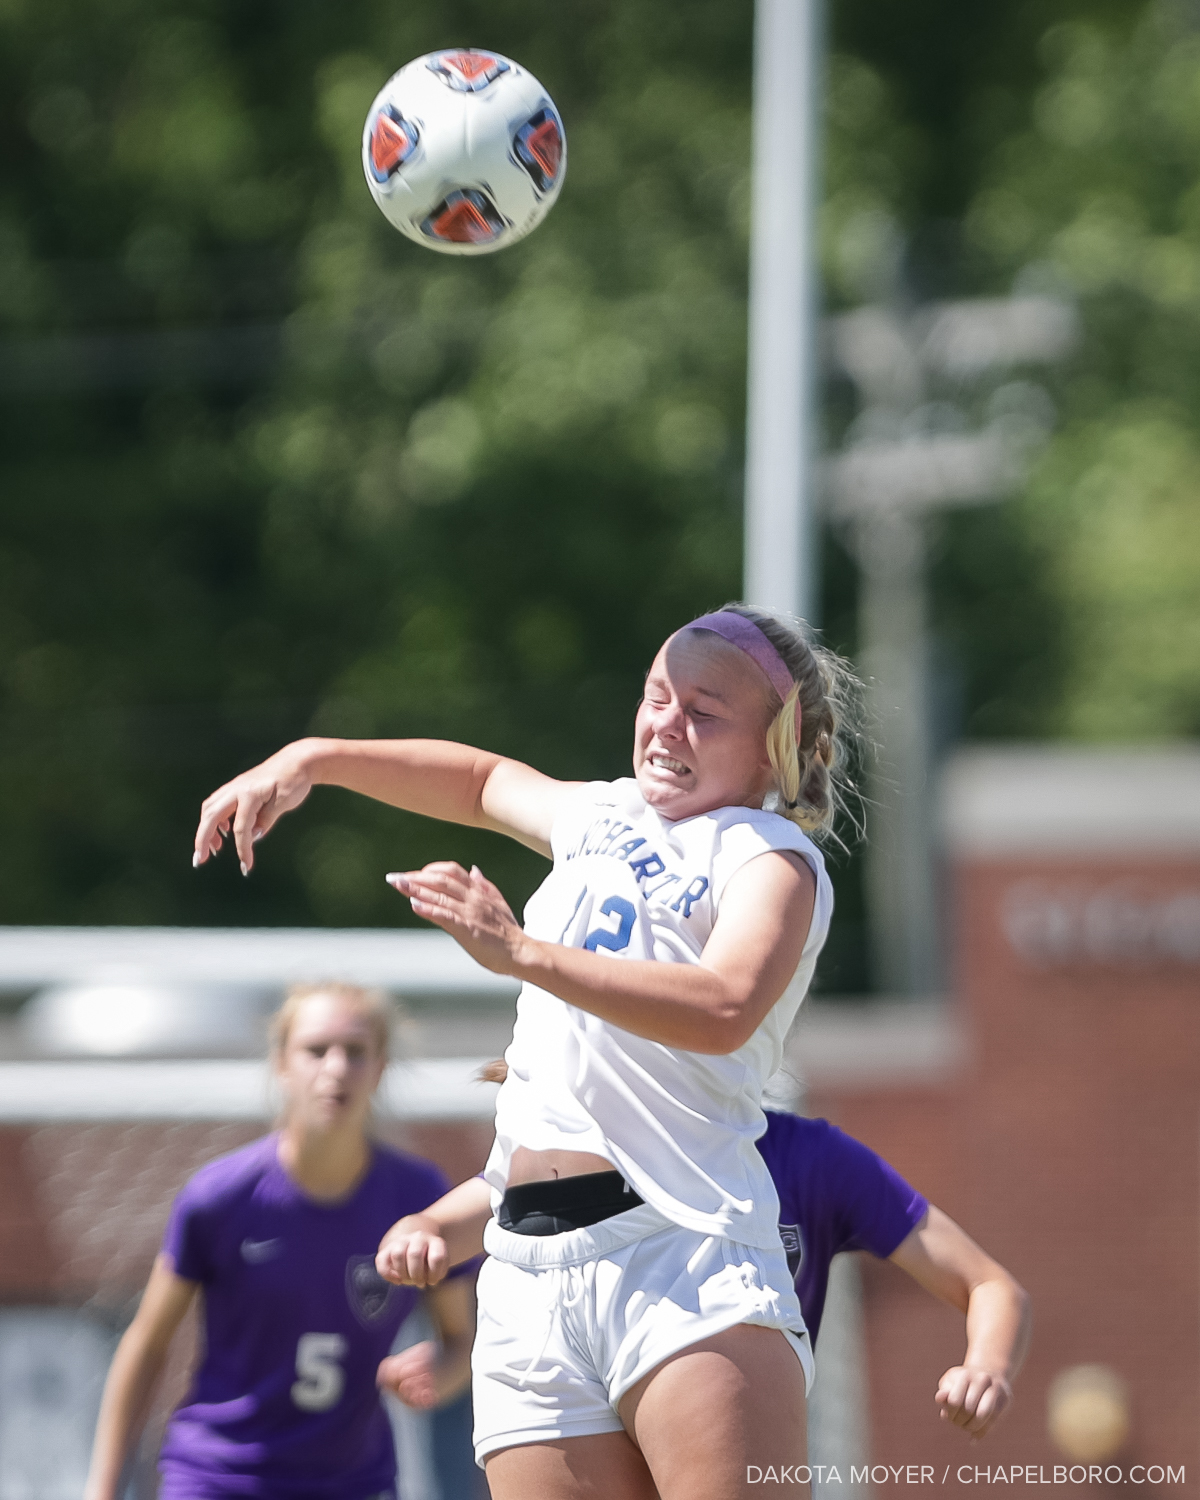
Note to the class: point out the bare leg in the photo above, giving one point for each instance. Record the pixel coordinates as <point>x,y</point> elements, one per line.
<point>604,1467</point>
<point>717,1409</point>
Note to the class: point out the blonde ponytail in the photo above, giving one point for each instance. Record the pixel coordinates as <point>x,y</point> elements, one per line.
<point>813,779</point>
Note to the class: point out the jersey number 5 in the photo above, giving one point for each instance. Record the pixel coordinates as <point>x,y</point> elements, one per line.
<point>600,937</point>
<point>322,1379</point>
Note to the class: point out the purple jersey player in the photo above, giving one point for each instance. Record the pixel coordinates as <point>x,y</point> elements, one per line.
<point>280,1238</point>
<point>835,1195</point>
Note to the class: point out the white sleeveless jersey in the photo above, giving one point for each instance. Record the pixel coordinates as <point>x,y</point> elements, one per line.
<point>680,1126</point>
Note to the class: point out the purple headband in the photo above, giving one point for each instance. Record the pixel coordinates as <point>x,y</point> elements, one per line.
<point>747,637</point>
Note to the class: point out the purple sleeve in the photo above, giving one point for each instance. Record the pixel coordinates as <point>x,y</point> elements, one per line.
<point>878,1209</point>
<point>186,1240</point>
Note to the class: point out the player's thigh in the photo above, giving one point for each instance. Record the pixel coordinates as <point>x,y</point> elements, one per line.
<point>603,1466</point>
<point>718,1413</point>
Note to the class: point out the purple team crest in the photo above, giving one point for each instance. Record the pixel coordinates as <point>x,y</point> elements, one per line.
<point>467,71</point>
<point>793,1247</point>
<point>366,1291</point>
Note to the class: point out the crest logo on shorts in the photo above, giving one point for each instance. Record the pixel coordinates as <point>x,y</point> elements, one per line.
<point>366,1291</point>
<point>466,216</point>
<point>393,141</point>
<point>538,146</point>
<point>467,71</point>
<point>793,1247</point>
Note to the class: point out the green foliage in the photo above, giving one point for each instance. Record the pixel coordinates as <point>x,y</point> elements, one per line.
<point>367,489</point>
<point>1101,196</point>
<point>269,469</point>
<point>1116,510</point>
<point>871,161</point>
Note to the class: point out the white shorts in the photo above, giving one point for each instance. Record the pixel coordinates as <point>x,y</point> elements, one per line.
<point>569,1322</point>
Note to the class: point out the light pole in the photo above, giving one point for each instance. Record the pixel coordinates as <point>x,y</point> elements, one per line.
<point>881,489</point>
<point>780,564</point>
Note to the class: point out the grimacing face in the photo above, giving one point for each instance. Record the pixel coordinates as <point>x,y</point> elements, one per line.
<point>330,1064</point>
<point>700,733</point>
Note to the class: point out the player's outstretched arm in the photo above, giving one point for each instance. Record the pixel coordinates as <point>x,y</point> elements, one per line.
<point>713,1006</point>
<point>948,1263</point>
<point>438,778</point>
<point>429,1374</point>
<point>419,1249</point>
<point>132,1375</point>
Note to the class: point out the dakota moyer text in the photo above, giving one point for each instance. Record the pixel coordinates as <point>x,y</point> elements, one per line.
<point>879,1474</point>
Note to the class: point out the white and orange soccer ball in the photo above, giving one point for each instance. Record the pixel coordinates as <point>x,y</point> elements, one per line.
<point>464,151</point>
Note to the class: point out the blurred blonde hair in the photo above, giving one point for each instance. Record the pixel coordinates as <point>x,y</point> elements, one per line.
<point>375,1005</point>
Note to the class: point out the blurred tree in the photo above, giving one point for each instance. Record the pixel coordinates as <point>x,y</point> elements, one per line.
<point>269,468</point>
<point>1100,197</point>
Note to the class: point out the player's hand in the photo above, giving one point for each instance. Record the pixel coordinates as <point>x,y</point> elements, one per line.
<point>411,1375</point>
<point>251,804</point>
<point>972,1398</point>
<point>413,1253</point>
<point>467,906</point>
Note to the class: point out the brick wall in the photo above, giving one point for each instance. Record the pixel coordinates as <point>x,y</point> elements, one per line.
<point>1068,1146</point>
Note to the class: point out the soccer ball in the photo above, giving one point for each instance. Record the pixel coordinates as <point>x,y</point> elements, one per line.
<point>464,151</point>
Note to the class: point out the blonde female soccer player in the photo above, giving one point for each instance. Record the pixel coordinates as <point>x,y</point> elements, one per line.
<point>280,1239</point>
<point>638,1328</point>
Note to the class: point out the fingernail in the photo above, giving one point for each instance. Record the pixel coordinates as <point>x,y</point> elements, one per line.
<point>195,861</point>
<point>397,880</point>
<point>257,836</point>
<point>245,868</point>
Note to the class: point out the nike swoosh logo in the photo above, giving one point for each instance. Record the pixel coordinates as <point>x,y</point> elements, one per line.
<point>255,1251</point>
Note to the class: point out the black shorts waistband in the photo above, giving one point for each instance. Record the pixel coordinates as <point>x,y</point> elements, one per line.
<point>560,1204</point>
